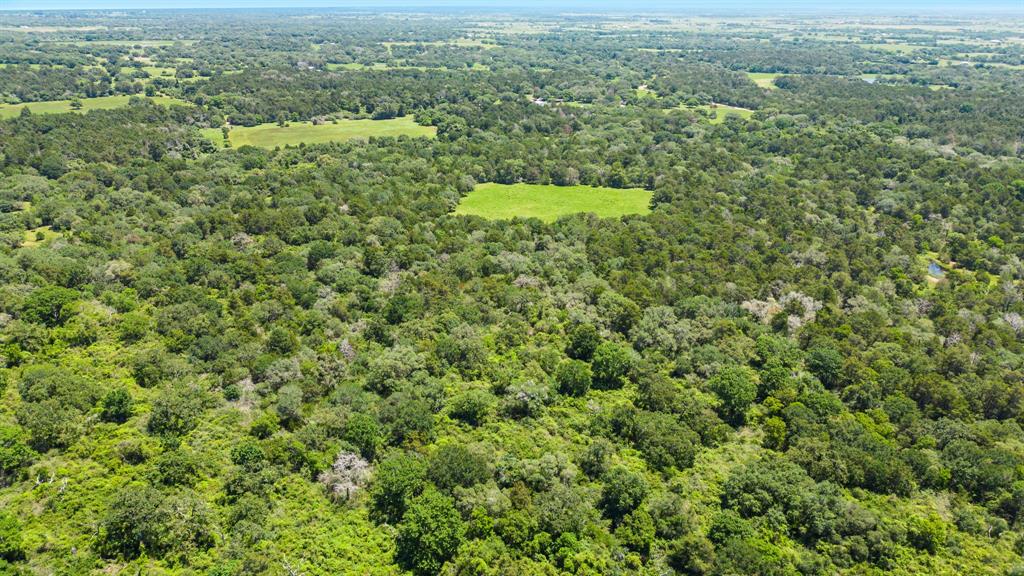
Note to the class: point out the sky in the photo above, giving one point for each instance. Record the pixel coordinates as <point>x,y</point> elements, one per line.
<point>923,7</point>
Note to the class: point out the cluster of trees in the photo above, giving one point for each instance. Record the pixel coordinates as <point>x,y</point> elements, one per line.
<point>25,83</point>
<point>243,361</point>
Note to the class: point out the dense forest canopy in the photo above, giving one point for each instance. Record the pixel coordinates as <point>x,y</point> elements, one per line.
<point>806,359</point>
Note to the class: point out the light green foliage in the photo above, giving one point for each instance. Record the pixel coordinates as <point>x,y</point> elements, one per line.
<point>549,202</point>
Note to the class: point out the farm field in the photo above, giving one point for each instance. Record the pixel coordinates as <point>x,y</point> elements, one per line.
<point>98,103</point>
<point>271,135</point>
<point>548,202</point>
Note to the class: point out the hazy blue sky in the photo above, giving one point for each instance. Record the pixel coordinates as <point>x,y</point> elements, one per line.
<point>920,6</point>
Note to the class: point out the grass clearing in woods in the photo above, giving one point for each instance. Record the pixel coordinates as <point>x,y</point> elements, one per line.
<point>548,202</point>
<point>294,133</point>
<point>63,106</point>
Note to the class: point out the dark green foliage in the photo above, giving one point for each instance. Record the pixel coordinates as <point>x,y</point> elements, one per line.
<point>595,461</point>
<point>176,411</point>
<point>611,365</point>
<point>176,468</point>
<point>281,341</point>
<point>583,341</point>
<point>636,531</point>
<point>622,493</point>
<point>736,388</point>
<point>15,454</point>
<point>806,359</point>
<point>573,377</point>
<point>409,419</point>
<point>50,305</point>
<point>827,364</point>
<point>133,522</point>
<point>363,432</point>
<point>54,402</point>
<point>454,465</point>
<point>563,510</point>
<point>472,407</point>
<point>116,406</point>
<point>11,542</point>
<point>430,533</point>
<point>398,478</point>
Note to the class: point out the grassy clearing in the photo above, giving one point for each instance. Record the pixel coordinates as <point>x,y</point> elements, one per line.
<point>548,202</point>
<point>477,66</point>
<point>63,106</point>
<point>458,42</point>
<point>717,113</point>
<point>129,43</point>
<point>764,79</point>
<point>159,71</point>
<point>893,47</point>
<point>295,133</point>
<point>38,236</point>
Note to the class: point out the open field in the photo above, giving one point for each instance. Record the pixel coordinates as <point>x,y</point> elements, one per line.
<point>38,236</point>
<point>898,48</point>
<point>458,42</point>
<point>382,66</point>
<point>295,133</point>
<point>128,43</point>
<point>548,202</point>
<point>764,79</point>
<point>717,113</point>
<point>62,106</point>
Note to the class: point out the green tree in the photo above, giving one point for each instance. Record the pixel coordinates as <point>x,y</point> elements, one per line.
<point>430,533</point>
<point>583,341</point>
<point>133,522</point>
<point>573,377</point>
<point>50,305</point>
<point>398,478</point>
<point>827,364</point>
<point>455,465</point>
<point>15,454</point>
<point>363,432</point>
<point>736,388</point>
<point>176,411</point>
<point>623,491</point>
<point>472,406</point>
<point>611,365</point>
<point>116,406</point>
<point>11,544</point>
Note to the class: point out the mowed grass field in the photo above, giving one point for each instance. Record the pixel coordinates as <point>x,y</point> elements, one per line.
<point>62,106</point>
<point>548,202</point>
<point>295,133</point>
